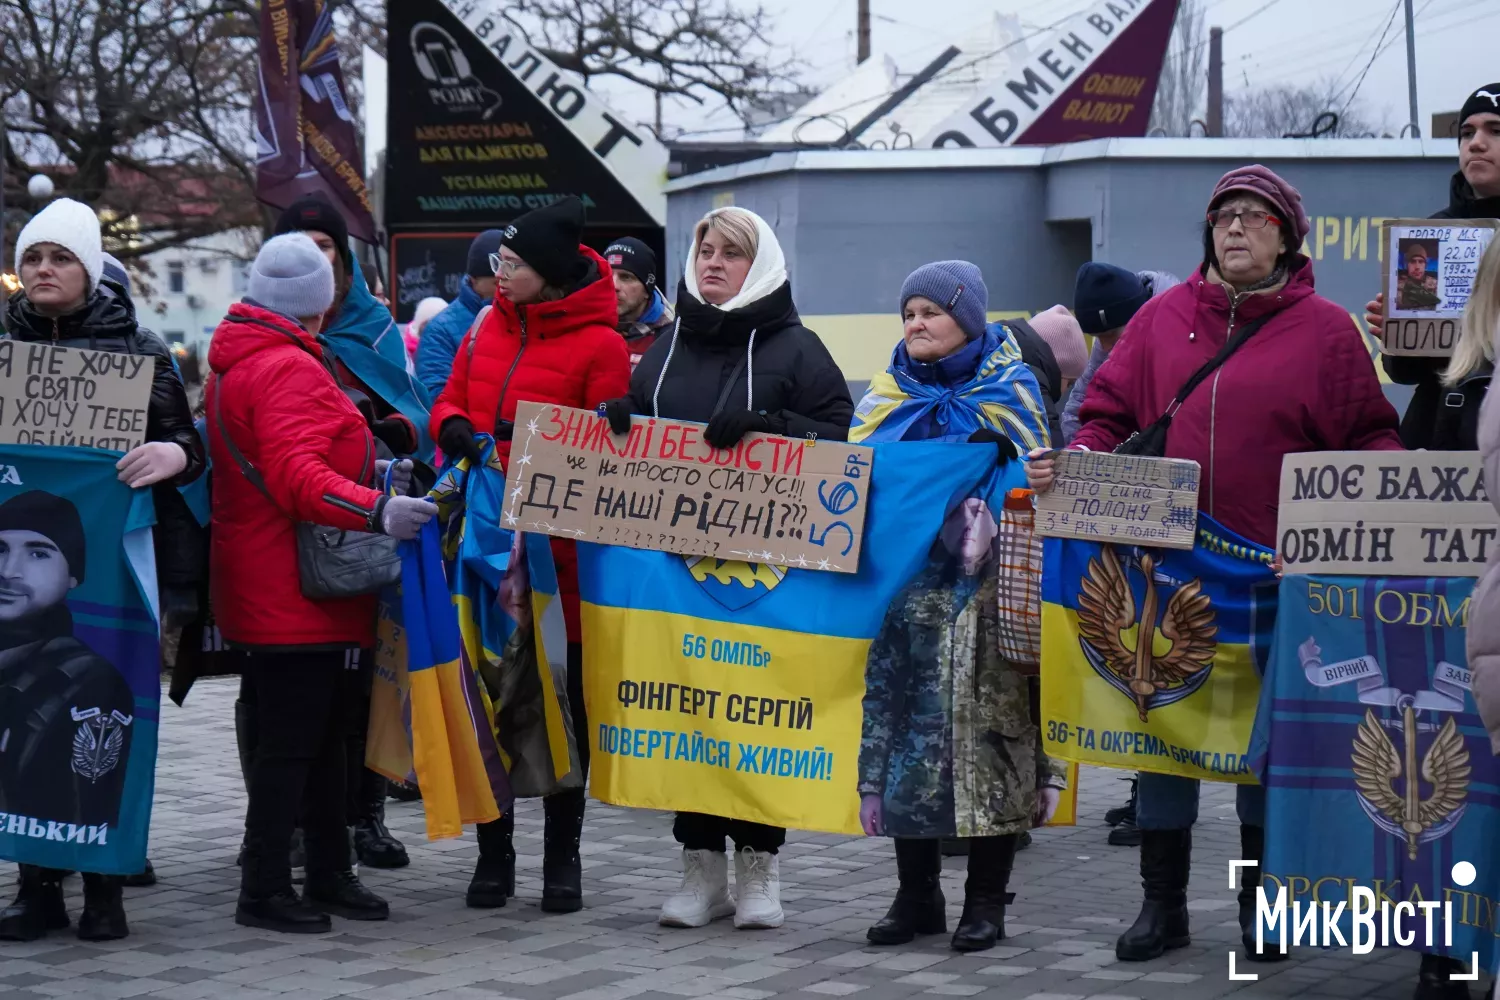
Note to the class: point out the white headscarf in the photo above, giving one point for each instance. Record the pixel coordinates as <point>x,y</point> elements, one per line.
<point>767,271</point>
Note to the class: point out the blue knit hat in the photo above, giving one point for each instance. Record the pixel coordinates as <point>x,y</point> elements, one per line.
<point>292,276</point>
<point>484,244</point>
<point>958,289</point>
<point>1105,297</point>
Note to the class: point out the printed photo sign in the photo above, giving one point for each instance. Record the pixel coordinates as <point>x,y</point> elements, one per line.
<point>1127,499</point>
<point>1429,270</point>
<point>769,499</point>
<point>1385,513</point>
<point>61,396</point>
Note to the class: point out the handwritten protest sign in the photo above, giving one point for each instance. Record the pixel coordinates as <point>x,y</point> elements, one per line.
<point>1429,272</point>
<point>1385,513</point>
<point>769,499</point>
<point>62,396</point>
<point>1121,498</point>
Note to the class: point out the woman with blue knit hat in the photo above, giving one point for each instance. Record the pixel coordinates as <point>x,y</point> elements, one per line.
<point>951,379</point>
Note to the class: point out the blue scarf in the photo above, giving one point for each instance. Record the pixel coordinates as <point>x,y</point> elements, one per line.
<point>366,339</point>
<point>912,401</point>
<point>655,309</point>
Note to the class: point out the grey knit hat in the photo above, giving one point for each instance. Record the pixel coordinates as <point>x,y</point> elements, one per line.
<point>292,276</point>
<point>957,287</point>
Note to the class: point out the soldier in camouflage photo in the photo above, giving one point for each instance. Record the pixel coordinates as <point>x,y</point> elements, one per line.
<point>950,743</point>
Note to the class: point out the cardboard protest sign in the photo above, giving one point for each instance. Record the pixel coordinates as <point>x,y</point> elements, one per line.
<point>768,499</point>
<point>1429,269</point>
<point>62,396</point>
<point>1121,498</point>
<point>1385,513</point>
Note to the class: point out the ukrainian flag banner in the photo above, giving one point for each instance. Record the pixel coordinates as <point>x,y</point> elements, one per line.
<point>1151,658</point>
<point>736,688</point>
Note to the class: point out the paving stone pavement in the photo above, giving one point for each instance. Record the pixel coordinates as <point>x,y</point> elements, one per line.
<point>1074,894</point>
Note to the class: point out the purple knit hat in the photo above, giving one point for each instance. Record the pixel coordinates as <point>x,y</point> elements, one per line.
<point>1266,183</point>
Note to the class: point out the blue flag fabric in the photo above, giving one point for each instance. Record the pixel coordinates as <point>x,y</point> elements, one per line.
<point>80,661</point>
<point>1377,768</point>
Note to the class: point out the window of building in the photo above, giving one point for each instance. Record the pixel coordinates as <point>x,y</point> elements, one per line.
<point>241,277</point>
<point>175,277</point>
<point>176,337</point>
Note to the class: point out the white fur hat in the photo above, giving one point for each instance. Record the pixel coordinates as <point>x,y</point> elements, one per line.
<point>73,226</point>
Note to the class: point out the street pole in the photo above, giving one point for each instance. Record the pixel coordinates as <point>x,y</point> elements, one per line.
<point>1215,83</point>
<point>864,31</point>
<point>1411,69</point>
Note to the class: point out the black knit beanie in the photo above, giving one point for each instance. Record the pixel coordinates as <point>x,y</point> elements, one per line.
<point>547,239</point>
<point>52,516</point>
<point>314,214</point>
<point>1485,99</point>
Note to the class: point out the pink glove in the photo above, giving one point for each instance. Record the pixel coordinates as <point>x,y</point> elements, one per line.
<point>870,815</point>
<point>151,463</point>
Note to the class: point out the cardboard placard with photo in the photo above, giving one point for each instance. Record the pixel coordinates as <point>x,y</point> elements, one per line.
<point>1428,271</point>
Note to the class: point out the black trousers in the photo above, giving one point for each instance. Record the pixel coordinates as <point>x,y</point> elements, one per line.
<point>699,832</point>
<point>305,707</point>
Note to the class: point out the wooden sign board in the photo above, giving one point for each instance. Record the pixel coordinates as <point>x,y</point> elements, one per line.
<point>769,499</point>
<point>1428,271</point>
<point>1385,513</point>
<point>1125,499</point>
<point>64,396</point>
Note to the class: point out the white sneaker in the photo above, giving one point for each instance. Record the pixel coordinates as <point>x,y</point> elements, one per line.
<point>757,883</point>
<point>704,894</point>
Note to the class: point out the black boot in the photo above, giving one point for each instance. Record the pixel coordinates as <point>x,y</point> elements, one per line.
<point>38,908</point>
<point>343,895</point>
<point>1166,860</point>
<point>562,869</point>
<point>1252,848</point>
<point>142,879</point>
<point>495,875</point>
<point>1125,833</point>
<point>985,898</point>
<point>1120,814</point>
<point>401,791</point>
<point>918,907</point>
<point>103,916</point>
<point>267,899</point>
<point>372,840</point>
<point>1433,982</point>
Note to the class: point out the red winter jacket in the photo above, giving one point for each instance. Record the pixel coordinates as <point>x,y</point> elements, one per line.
<point>566,352</point>
<point>1303,382</point>
<point>291,421</point>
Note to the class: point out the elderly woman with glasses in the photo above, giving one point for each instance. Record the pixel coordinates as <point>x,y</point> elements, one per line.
<point>549,337</point>
<point>1300,380</point>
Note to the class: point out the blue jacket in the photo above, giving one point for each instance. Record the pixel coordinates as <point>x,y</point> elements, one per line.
<point>441,337</point>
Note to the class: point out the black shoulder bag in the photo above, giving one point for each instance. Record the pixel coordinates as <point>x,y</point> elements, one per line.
<point>1151,441</point>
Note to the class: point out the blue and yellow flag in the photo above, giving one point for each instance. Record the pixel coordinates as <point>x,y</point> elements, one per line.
<point>736,688</point>
<point>1368,734</point>
<point>80,661</point>
<point>1149,656</point>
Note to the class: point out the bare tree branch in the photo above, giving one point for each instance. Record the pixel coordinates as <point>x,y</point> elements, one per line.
<point>1273,112</point>
<point>1184,79</point>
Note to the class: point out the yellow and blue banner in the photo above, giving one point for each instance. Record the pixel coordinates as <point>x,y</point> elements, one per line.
<point>1368,734</point>
<point>736,688</point>
<point>80,661</point>
<point>1151,657</point>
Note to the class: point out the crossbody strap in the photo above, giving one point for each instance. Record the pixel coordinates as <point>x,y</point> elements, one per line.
<point>1214,363</point>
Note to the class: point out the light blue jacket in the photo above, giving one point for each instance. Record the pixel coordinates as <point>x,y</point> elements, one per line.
<point>441,337</point>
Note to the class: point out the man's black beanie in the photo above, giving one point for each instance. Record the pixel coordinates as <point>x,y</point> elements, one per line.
<point>317,215</point>
<point>52,516</point>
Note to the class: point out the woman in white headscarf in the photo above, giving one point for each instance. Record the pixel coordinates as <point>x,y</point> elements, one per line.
<point>738,360</point>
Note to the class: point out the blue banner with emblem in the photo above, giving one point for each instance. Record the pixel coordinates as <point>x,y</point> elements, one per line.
<point>80,661</point>
<point>1377,768</point>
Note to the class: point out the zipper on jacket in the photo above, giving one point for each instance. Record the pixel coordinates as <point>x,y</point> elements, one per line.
<point>1213,407</point>
<point>505,386</point>
<point>56,329</point>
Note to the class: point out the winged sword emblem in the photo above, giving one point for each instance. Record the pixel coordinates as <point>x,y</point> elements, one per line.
<point>97,746</point>
<point>1379,766</point>
<point>1121,641</point>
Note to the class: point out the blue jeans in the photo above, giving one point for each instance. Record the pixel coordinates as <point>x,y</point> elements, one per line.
<point>1167,802</point>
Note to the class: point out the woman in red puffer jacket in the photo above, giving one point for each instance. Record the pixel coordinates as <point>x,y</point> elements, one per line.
<point>549,338</point>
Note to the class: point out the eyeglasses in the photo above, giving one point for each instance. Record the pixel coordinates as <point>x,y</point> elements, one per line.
<point>506,268</point>
<point>1223,218</point>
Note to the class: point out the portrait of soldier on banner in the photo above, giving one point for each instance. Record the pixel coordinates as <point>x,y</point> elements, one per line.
<point>1417,275</point>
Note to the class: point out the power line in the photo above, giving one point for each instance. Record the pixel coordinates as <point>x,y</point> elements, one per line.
<point>1373,56</point>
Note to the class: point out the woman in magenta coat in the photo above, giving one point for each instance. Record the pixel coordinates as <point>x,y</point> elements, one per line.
<point>1302,381</point>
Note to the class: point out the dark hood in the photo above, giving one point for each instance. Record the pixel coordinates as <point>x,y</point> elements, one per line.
<point>1463,203</point>
<point>709,324</point>
<point>104,315</point>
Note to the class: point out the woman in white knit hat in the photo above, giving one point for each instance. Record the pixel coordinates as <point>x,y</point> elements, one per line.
<point>60,259</point>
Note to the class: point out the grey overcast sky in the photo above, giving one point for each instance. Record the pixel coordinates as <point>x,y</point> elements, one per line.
<point>1266,42</point>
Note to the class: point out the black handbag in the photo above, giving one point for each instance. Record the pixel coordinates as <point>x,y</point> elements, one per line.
<point>331,562</point>
<point>1151,441</point>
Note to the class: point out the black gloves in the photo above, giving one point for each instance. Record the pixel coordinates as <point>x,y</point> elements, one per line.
<point>456,438</point>
<point>1007,447</point>
<point>726,429</point>
<point>617,412</point>
<point>398,434</point>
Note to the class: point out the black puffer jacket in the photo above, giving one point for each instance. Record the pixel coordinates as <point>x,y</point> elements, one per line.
<point>711,364</point>
<point>1419,424</point>
<point>107,323</point>
<point>1037,355</point>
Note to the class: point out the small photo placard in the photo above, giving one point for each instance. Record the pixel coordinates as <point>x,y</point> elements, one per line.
<point>1428,274</point>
